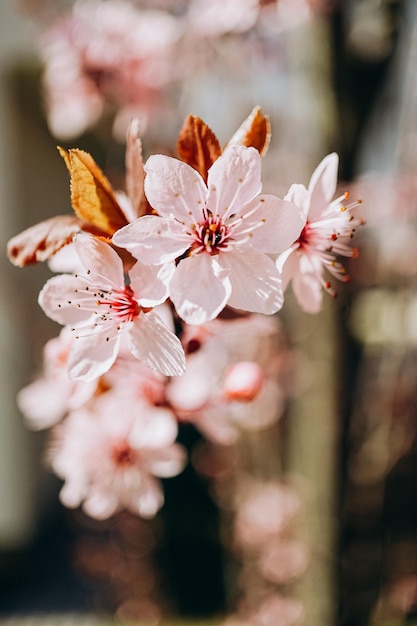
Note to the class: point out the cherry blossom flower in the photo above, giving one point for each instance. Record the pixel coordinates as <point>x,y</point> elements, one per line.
<point>46,400</point>
<point>109,455</point>
<point>275,610</point>
<point>328,230</point>
<point>101,307</point>
<point>265,511</point>
<point>220,234</point>
<point>230,384</point>
<point>103,55</point>
<point>214,18</point>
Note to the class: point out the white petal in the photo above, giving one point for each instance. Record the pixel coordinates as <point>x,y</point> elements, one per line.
<point>43,404</point>
<point>73,491</point>
<point>288,264</point>
<point>233,180</point>
<point>159,429</point>
<point>92,356</point>
<point>298,194</point>
<point>59,297</point>
<point>100,504</point>
<point>174,188</point>
<point>150,282</point>
<point>256,282</point>
<point>214,423</point>
<point>156,346</point>
<point>104,265</point>
<point>168,462</point>
<point>281,223</point>
<point>153,240</point>
<point>308,292</point>
<point>322,185</point>
<point>150,499</point>
<point>199,289</point>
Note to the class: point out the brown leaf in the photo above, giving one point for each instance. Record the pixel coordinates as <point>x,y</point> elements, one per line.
<point>92,196</point>
<point>254,132</point>
<point>135,174</point>
<point>65,155</point>
<point>197,145</point>
<point>40,242</point>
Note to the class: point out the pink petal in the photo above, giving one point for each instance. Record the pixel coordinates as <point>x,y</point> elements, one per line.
<point>150,499</point>
<point>93,356</point>
<point>73,490</point>
<point>153,240</point>
<point>58,299</point>
<point>282,223</point>
<point>156,346</point>
<point>298,194</point>
<point>199,289</point>
<point>167,462</point>
<point>174,188</point>
<point>42,403</point>
<point>256,282</point>
<point>322,185</point>
<point>101,260</point>
<point>288,264</point>
<point>100,504</point>
<point>308,291</point>
<point>150,282</point>
<point>233,180</point>
<point>159,429</point>
<point>214,422</point>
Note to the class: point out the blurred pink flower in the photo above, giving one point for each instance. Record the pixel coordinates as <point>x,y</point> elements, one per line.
<point>216,394</point>
<point>100,307</point>
<point>106,54</point>
<point>265,511</point>
<point>329,227</point>
<point>214,18</point>
<point>221,234</point>
<point>274,610</point>
<point>110,454</point>
<point>46,400</point>
<point>282,560</point>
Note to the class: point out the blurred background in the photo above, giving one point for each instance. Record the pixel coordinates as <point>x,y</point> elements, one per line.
<point>332,76</point>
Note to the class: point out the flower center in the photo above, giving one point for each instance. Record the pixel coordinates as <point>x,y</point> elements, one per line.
<point>123,455</point>
<point>109,308</point>
<point>118,304</point>
<point>210,235</point>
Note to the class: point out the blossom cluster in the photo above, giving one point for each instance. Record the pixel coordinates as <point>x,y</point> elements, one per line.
<point>129,58</point>
<point>167,301</point>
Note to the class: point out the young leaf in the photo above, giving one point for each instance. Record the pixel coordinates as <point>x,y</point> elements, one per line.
<point>197,145</point>
<point>254,132</point>
<point>40,242</point>
<point>92,196</point>
<point>135,174</point>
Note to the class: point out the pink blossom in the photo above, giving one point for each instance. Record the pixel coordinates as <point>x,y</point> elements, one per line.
<point>214,18</point>
<point>220,234</point>
<point>328,230</point>
<point>46,400</point>
<point>110,455</point>
<point>265,511</point>
<point>106,54</point>
<point>215,393</point>
<point>274,610</point>
<point>100,307</point>
<point>243,381</point>
<point>283,560</point>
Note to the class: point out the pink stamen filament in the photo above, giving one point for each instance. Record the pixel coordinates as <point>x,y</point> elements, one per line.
<point>109,308</point>
<point>326,239</point>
